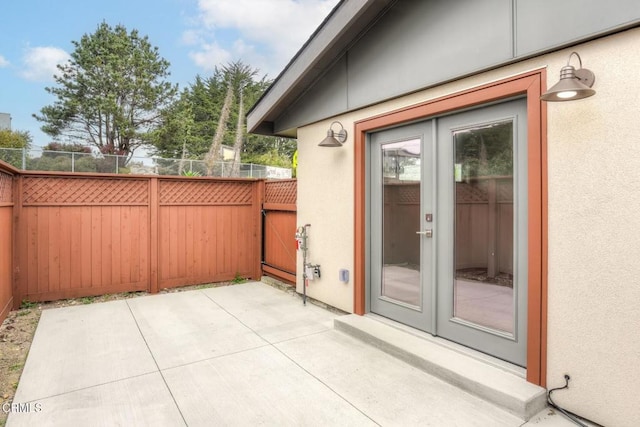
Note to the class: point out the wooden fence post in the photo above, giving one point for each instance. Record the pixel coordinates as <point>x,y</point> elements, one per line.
<point>258,200</point>
<point>19,245</point>
<point>154,207</point>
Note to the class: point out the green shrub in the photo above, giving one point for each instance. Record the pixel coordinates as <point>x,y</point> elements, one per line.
<point>86,164</point>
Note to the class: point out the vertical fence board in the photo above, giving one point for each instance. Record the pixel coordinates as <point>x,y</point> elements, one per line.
<point>219,259</point>
<point>205,241</point>
<point>138,233</point>
<point>20,235</point>
<point>6,255</point>
<point>29,260</point>
<point>116,244</point>
<point>85,245</point>
<point>125,245</point>
<point>182,239</point>
<point>229,243</point>
<point>188,252</point>
<point>96,253</point>
<point>170,250</point>
<point>216,256</point>
<point>43,249</point>
<point>75,246</point>
<point>7,250</point>
<point>53,249</point>
<point>153,233</point>
<point>64,252</point>
<point>106,247</point>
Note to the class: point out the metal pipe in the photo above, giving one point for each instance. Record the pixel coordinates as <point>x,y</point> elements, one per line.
<point>302,233</point>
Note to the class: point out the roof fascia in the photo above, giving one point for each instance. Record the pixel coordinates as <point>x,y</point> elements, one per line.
<point>318,49</point>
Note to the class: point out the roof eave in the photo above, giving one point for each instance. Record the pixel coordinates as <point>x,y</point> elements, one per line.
<point>344,24</point>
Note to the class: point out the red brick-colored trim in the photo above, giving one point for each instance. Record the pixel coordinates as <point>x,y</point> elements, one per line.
<point>532,85</point>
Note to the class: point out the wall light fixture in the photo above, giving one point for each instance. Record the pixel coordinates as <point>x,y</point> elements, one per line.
<point>334,139</point>
<point>573,84</point>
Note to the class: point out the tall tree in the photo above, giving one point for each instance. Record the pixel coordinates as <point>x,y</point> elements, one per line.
<point>110,92</point>
<point>218,113</point>
<point>215,151</point>
<point>237,146</point>
<point>242,76</point>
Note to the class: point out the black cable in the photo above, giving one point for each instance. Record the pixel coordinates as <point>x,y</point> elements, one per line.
<point>564,412</point>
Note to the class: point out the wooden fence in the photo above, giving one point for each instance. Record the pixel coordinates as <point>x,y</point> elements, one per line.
<point>6,240</point>
<point>279,243</point>
<point>484,224</point>
<point>72,235</point>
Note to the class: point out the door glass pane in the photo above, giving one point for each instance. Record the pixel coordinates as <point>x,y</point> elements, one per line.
<point>483,174</point>
<point>401,220</point>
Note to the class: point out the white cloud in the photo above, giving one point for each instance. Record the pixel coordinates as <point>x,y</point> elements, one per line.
<point>3,62</point>
<point>191,37</point>
<point>40,62</point>
<point>210,55</point>
<point>266,33</point>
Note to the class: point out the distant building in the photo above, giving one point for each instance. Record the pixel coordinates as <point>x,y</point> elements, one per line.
<point>5,121</point>
<point>228,153</point>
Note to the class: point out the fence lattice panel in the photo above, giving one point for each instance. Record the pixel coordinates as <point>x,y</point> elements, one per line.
<point>174,192</point>
<point>284,192</point>
<point>84,191</point>
<point>6,188</point>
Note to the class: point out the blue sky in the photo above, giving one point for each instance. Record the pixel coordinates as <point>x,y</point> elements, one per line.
<point>193,35</point>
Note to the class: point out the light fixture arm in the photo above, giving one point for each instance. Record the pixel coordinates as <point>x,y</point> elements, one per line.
<point>585,76</point>
<point>579,59</point>
<point>341,135</point>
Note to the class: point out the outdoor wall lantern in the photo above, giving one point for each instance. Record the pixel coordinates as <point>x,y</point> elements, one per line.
<point>573,84</point>
<point>334,139</point>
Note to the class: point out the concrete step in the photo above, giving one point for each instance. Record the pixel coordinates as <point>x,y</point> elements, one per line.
<point>493,380</point>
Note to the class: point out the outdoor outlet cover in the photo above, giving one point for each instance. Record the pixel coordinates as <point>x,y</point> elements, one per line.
<point>344,275</point>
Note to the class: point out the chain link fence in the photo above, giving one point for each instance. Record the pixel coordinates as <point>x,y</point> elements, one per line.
<point>63,161</point>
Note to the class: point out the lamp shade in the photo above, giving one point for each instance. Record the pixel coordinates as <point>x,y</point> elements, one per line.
<point>330,140</point>
<point>573,84</point>
<point>334,139</point>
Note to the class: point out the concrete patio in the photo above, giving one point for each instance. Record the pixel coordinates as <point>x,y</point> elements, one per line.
<point>239,355</point>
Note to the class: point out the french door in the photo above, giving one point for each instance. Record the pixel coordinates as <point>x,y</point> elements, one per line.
<point>448,227</point>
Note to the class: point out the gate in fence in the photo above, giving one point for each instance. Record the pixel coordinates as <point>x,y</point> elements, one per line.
<point>279,228</point>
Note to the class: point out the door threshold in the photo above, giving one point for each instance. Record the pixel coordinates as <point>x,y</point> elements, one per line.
<point>488,378</point>
<point>467,351</point>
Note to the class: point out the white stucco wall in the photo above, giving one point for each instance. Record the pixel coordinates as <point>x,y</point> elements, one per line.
<point>594,237</point>
<point>325,200</point>
<point>593,223</point>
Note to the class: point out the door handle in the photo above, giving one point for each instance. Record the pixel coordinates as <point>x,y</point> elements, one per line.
<point>428,232</point>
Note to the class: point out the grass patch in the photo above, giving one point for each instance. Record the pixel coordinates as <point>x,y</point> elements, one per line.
<point>27,304</point>
<point>238,279</point>
<point>16,367</point>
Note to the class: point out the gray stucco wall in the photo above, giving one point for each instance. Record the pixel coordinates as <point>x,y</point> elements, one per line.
<point>418,44</point>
